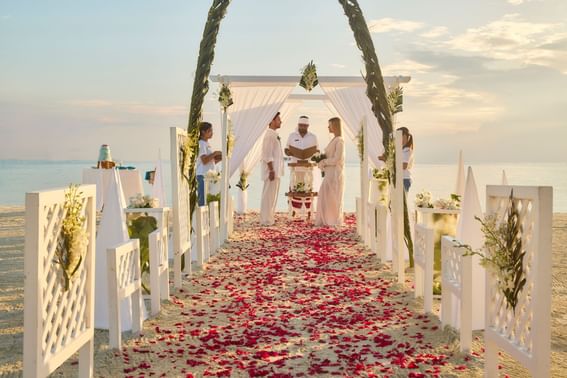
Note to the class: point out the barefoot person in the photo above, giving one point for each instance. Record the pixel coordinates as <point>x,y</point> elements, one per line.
<point>272,170</point>
<point>330,203</point>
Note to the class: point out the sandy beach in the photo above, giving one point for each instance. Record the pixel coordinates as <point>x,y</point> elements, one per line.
<point>203,304</point>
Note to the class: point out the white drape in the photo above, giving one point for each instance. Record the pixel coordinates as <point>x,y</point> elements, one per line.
<point>254,155</point>
<point>353,105</point>
<point>253,109</point>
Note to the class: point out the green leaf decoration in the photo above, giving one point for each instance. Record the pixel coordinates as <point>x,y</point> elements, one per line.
<point>309,77</point>
<point>396,100</point>
<point>504,252</point>
<point>140,227</point>
<point>73,239</point>
<point>225,96</point>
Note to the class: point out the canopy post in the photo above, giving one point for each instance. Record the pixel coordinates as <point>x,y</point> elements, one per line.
<point>224,178</point>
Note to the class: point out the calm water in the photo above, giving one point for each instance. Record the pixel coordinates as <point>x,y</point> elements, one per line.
<point>18,177</point>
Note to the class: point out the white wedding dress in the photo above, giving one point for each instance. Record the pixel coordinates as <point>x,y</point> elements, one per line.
<point>330,201</point>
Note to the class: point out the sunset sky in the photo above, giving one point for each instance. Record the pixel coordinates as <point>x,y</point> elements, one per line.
<point>488,76</point>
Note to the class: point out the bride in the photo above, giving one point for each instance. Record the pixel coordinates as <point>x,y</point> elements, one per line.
<point>330,202</point>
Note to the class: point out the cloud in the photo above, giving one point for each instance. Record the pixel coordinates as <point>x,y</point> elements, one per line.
<point>515,2</point>
<point>443,93</point>
<point>516,41</point>
<point>130,107</point>
<point>406,67</point>
<point>435,32</point>
<point>337,65</point>
<point>385,25</point>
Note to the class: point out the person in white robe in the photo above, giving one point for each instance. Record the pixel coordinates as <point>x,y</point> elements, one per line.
<point>331,192</point>
<point>272,170</point>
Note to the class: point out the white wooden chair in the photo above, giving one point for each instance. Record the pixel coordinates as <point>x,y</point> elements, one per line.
<point>203,235</point>
<point>423,260</point>
<point>181,208</point>
<point>456,281</point>
<point>214,226</point>
<point>124,280</point>
<point>159,269</point>
<point>58,322</point>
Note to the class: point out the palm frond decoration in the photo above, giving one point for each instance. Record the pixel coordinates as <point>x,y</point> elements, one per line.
<point>375,89</point>
<point>396,100</point>
<point>309,77</point>
<point>217,11</point>
<point>225,96</point>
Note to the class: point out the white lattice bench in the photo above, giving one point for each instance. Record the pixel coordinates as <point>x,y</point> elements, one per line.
<point>124,280</point>
<point>456,281</point>
<point>159,269</point>
<point>423,259</point>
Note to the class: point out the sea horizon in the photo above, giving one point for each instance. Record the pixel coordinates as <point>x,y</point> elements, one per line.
<point>26,175</point>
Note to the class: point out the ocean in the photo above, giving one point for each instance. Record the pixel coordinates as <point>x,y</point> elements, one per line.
<point>20,176</point>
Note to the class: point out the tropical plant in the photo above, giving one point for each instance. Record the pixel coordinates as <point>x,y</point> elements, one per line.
<point>504,252</point>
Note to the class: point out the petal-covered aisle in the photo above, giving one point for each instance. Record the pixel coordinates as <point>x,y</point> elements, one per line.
<point>289,301</point>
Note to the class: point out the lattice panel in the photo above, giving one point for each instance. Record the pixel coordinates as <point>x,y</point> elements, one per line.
<point>516,327</point>
<point>64,313</point>
<point>452,265</point>
<point>57,322</point>
<point>420,245</point>
<point>128,268</point>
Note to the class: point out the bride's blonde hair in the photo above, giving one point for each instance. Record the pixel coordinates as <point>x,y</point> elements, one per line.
<point>336,122</point>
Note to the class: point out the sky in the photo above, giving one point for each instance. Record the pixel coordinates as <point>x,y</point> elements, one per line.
<point>488,77</point>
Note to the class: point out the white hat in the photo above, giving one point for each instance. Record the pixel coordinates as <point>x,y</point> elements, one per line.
<point>303,120</point>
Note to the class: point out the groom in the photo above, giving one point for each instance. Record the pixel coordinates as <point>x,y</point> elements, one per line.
<point>272,170</point>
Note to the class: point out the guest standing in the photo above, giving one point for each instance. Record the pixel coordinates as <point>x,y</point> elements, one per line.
<point>206,159</point>
<point>407,156</point>
<point>272,170</point>
<point>330,202</point>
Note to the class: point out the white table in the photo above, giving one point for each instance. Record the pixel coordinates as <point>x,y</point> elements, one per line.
<point>130,179</point>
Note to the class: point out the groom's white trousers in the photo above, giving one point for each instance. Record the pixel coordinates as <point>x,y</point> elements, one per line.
<point>269,200</point>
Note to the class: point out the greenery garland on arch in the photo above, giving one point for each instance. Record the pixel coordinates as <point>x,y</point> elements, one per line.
<point>375,89</point>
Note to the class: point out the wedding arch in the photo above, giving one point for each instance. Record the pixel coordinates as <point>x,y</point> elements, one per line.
<point>375,89</point>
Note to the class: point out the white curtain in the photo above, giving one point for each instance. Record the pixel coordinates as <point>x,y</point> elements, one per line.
<point>353,105</point>
<point>252,111</point>
<point>253,156</point>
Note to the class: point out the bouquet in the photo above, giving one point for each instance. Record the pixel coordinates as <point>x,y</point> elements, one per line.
<point>423,199</point>
<point>143,202</point>
<point>212,176</point>
<point>318,157</point>
<point>446,204</point>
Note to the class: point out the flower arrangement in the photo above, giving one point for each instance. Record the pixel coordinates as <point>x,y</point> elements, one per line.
<point>225,96</point>
<point>143,202</point>
<point>504,253</point>
<point>212,176</point>
<point>423,199</point>
<point>73,239</point>
<point>230,139</point>
<point>309,77</point>
<point>317,158</point>
<point>301,187</point>
<point>139,227</point>
<point>381,173</point>
<point>447,203</point>
<point>243,181</point>
<point>360,143</point>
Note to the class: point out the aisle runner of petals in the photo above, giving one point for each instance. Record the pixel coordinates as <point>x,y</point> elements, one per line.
<point>294,301</point>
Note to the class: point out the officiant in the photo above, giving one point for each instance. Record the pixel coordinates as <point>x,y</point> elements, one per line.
<point>301,145</point>
<point>301,138</point>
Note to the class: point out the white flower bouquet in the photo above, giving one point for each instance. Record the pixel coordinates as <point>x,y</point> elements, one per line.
<point>423,199</point>
<point>212,176</point>
<point>143,202</point>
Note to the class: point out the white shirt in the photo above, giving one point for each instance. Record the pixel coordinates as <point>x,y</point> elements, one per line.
<point>302,142</point>
<point>407,156</point>
<point>272,152</point>
<point>204,149</point>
